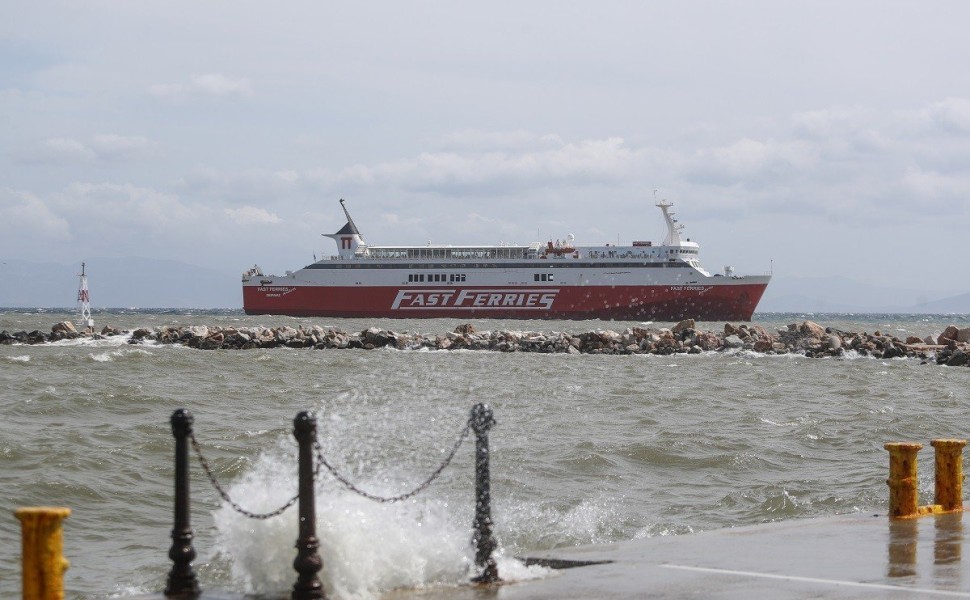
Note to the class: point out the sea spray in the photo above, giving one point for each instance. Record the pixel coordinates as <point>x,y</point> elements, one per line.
<point>367,547</point>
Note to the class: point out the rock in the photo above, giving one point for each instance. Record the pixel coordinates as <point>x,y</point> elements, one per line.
<point>198,331</point>
<point>213,342</point>
<point>63,327</point>
<point>949,334</point>
<point>759,331</point>
<point>707,341</point>
<point>928,340</point>
<point>379,338</point>
<point>36,337</point>
<point>912,339</point>
<point>465,329</point>
<point>763,345</point>
<point>834,342</point>
<point>141,333</point>
<point>730,329</point>
<point>683,325</point>
<point>963,335</point>
<point>811,329</point>
<point>891,350</point>
<point>959,358</point>
<point>733,341</point>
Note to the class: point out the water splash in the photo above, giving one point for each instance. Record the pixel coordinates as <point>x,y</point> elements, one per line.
<point>367,548</point>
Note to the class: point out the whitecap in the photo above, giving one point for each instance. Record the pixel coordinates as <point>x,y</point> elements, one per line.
<point>18,359</point>
<point>119,354</point>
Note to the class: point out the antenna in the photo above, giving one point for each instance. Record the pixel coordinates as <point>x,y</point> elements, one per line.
<point>84,301</point>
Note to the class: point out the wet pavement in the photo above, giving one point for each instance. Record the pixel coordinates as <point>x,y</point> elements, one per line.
<point>854,556</point>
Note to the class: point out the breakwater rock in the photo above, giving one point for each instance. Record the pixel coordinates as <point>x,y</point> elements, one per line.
<point>951,347</point>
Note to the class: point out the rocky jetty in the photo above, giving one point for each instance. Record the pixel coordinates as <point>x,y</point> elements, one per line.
<point>951,347</point>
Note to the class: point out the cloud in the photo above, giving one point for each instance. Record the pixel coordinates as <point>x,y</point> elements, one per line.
<point>215,84</point>
<point>130,210</point>
<point>747,161</point>
<point>932,185</point>
<point>120,146</point>
<point>475,140</point>
<point>603,161</point>
<point>28,218</point>
<point>210,84</point>
<point>951,115</point>
<point>60,150</point>
<point>825,163</point>
<point>250,215</point>
<point>102,148</point>
<point>240,187</point>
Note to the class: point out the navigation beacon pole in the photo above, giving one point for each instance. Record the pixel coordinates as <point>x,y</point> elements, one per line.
<point>84,301</point>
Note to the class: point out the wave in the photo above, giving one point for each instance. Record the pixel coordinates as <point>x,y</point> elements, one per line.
<point>119,354</point>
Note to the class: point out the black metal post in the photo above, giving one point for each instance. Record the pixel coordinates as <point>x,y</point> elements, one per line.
<point>307,562</point>
<point>483,539</point>
<point>181,580</point>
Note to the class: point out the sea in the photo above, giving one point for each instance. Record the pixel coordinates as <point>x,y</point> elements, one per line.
<point>586,449</point>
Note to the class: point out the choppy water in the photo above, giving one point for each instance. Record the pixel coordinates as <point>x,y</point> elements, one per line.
<point>588,449</point>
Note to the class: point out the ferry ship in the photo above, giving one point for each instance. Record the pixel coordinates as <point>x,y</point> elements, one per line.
<point>552,280</point>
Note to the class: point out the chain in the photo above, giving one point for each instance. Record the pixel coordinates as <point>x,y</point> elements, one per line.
<point>225,495</point>
<point>350,486</point>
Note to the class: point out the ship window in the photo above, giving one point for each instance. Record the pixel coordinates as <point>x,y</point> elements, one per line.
<point>537,277</point>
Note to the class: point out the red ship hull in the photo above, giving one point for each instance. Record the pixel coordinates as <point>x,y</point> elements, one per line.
<point>727,301</point>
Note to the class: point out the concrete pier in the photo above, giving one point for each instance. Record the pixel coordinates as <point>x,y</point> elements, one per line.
<point>854,556</point>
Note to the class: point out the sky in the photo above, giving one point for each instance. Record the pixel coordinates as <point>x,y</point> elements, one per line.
<point>811,139</point>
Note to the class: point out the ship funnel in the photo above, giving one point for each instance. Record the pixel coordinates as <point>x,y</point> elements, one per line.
<point>348,239</point>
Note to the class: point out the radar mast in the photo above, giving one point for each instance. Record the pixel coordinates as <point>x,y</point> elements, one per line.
<point>673,227</point>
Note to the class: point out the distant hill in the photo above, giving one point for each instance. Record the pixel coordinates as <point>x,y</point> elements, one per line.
<point>119,283</point>
<point>841,294</point>
<point>954,304</point>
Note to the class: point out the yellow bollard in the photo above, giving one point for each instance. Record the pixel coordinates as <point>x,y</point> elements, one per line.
<point>949,473</point>
<point>902,479</point>
<point>43,552</point>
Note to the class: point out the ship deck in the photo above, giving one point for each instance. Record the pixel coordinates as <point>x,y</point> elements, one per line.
<point>856,556</point>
